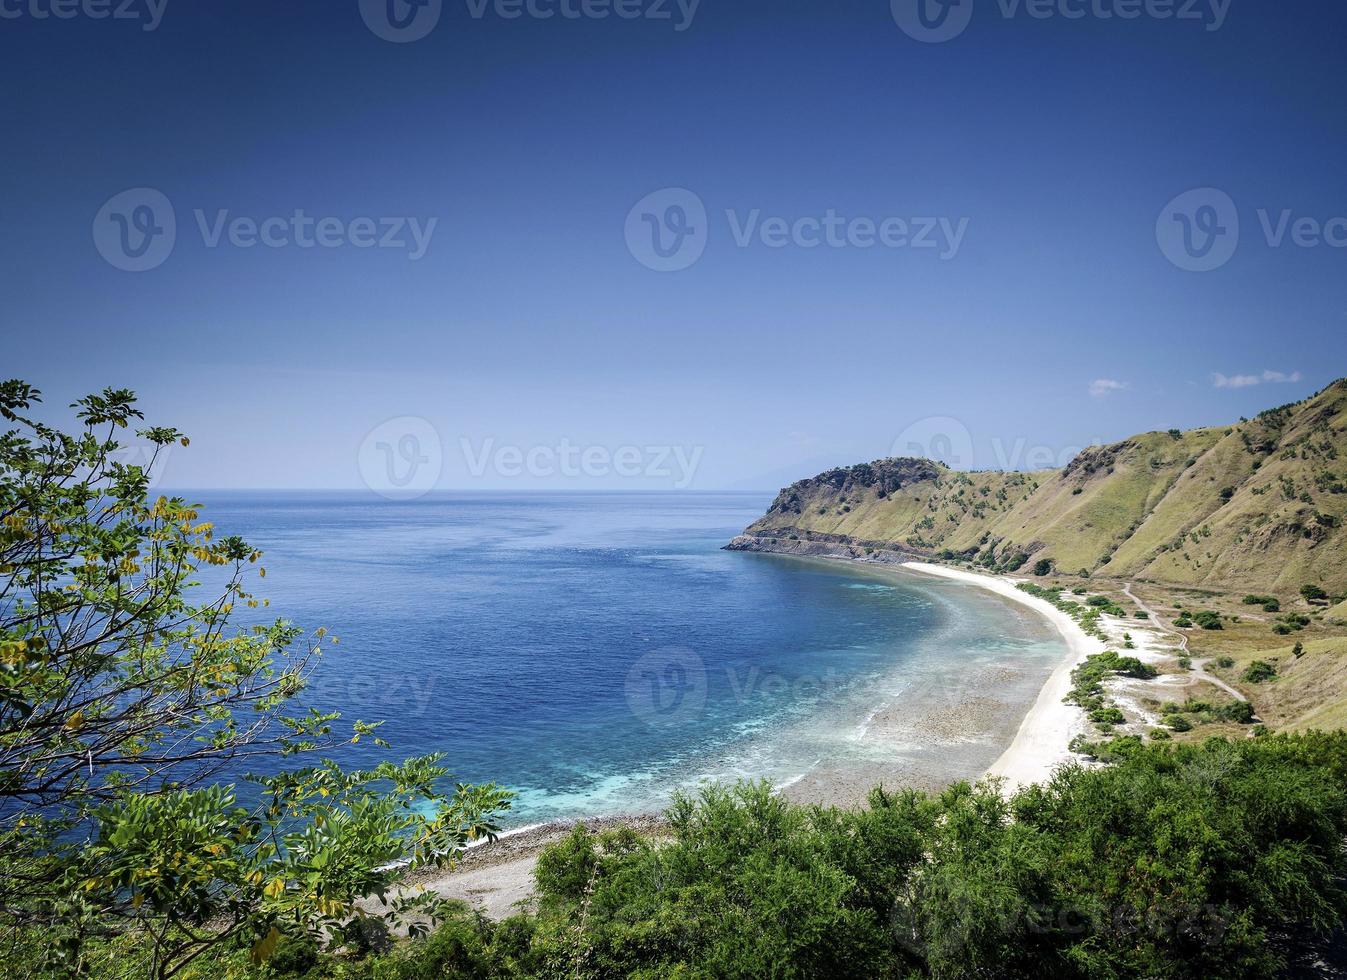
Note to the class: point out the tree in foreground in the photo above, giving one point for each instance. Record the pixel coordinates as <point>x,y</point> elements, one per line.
<point>127,696</point>
<point>1223,859</point>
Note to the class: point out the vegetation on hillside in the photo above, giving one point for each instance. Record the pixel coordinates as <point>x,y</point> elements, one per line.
<point>1259,505</point>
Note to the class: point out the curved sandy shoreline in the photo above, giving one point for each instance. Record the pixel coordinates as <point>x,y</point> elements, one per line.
<point>498,878</point>
<point>1041,743</point>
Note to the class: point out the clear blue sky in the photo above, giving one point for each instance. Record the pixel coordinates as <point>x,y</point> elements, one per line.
<point>529,324</point>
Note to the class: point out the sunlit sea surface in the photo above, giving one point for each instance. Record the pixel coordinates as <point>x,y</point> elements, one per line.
<point>594,652</point>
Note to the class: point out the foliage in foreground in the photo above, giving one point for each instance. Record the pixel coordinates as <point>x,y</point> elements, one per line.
<point>1177,861</point>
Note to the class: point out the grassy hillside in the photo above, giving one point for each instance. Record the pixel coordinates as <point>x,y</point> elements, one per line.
<point>1259,504</point>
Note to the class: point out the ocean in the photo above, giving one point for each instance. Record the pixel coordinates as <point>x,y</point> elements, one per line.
<point>595,652</point>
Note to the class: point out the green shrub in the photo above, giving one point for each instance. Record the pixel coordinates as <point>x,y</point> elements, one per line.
<point>1240,712</point>
<point>1178,723</point>
<point>1107,716</point>
<point>1225,662</point>
<point>1227,850</point>
<point>1208,620</point>
<point>1259,671</point>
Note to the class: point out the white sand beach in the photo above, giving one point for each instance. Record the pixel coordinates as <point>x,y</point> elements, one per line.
<point>1040,745</point>
<point>498,878</point>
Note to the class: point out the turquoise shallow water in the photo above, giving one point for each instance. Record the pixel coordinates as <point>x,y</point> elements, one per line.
<point>595,651</point>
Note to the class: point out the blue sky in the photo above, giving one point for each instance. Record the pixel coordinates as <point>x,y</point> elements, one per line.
<point>516,308</point>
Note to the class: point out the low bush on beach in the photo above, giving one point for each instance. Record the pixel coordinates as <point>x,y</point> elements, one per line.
<point>1239,842</point>
<point>1087,617</point>
<point>1087,685</point>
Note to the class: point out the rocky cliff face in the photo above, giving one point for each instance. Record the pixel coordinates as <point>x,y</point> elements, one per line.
<point>882,477</point>
<point>1259,504</point>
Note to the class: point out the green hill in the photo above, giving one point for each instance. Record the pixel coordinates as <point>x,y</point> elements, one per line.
<point>1259,504</point>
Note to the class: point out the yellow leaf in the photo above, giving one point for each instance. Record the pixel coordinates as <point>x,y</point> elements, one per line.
<point>264,947</point>
<point>75,721</point>
<point>275,888</point>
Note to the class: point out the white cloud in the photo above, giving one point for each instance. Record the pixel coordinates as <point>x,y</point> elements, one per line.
<point>1106,386</point>
<point>1276,377</point>
<point>1248,380</point>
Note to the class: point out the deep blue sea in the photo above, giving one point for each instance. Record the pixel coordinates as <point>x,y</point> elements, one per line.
<point>594,652</point>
